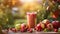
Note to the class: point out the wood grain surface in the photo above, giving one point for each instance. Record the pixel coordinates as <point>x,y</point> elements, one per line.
<point>10,32</point>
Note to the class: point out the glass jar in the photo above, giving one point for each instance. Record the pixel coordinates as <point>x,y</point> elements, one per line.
<point>31,19</point>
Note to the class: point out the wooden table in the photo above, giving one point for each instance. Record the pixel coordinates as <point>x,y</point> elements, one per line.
<point>10,32</point>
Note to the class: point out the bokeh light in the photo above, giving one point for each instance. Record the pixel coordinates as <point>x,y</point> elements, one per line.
<point>27,1</point>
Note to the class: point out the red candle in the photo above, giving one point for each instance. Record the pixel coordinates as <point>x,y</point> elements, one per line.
<point>31,19</point>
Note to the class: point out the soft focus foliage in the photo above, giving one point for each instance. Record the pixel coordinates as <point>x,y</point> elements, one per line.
<point>44,9</point>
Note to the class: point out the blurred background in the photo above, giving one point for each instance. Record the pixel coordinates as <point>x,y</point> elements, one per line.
<point>14,11</point>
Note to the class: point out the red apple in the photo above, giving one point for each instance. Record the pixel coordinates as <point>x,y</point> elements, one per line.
<point>55,24</point>
<point>38,27</point>
<point>23,27</point>
<point>49,26</point>
<point>42,25</point>
<point>55,30</point>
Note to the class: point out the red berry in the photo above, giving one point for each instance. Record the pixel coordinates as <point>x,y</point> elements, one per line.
<point>30,30</point>
<point>14,30</point>
<point>55,30</point>
<point>22,30</point>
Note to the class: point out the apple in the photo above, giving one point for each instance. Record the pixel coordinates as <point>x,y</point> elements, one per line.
<point>38,27</point>
<point>42,25</point>
<point>46,21</point>
<point>18,26</point>
<point>23,27</point>
<point>55,24</point>
<point>55,30</point>
<point>49,26</point>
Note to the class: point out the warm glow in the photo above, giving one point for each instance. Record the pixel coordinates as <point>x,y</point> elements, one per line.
<point>31,5</point>
<point>27,1</point>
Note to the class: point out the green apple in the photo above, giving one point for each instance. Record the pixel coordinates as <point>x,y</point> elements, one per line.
<point>18,26</point>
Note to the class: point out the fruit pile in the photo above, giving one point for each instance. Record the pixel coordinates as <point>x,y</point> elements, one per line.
<point>44,26</point>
